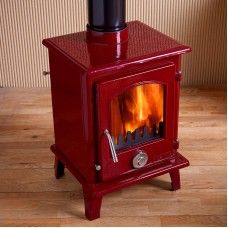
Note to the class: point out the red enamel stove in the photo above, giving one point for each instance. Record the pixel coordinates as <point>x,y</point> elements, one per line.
<point>115,96</point>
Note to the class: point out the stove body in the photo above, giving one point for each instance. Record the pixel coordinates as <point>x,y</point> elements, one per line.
<point>96,78</point>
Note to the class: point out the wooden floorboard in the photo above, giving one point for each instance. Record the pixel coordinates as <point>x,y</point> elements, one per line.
<point>31,196</point>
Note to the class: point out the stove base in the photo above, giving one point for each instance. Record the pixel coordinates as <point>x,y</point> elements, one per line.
<point>93,193</point>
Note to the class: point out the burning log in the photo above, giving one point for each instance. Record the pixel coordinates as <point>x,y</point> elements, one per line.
<point>139,136</point>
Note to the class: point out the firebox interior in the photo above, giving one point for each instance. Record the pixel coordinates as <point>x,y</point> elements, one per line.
<point>137,115</point>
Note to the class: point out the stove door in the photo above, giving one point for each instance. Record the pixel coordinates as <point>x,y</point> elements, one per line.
<point>135,121</point>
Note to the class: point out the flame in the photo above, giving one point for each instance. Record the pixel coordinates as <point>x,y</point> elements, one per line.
<point>139,106</point>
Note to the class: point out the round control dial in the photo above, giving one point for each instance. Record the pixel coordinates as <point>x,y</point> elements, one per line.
<point>140,159</point>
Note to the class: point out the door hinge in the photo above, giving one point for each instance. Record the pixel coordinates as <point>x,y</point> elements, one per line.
<point>178,76</point>
<point>97,167</point>
<point>176,144</point>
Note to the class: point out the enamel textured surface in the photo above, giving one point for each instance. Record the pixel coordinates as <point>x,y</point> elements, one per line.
<point>144,42</point>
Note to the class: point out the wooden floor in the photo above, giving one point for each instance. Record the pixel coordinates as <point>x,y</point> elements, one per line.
<point>31,196</point>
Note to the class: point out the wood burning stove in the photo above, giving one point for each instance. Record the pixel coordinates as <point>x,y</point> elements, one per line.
<point>115,95</point>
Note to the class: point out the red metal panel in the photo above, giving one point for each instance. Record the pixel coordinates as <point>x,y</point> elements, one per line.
<point>156,150</point>
<point>70,114</point>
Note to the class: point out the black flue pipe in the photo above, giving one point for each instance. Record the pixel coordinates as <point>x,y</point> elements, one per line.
<point>106,15</point>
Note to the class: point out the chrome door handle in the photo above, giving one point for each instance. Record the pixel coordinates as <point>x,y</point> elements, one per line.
<point>111,145</point>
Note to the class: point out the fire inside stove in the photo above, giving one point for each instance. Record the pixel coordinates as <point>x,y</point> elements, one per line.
<point>137,115</point>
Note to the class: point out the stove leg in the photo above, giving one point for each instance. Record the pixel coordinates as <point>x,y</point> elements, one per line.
<point>175,179</point>
<point>59,168</point>
<point>92,206</point>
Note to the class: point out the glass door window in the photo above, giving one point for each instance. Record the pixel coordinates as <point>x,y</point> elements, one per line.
<point>137,115</point>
